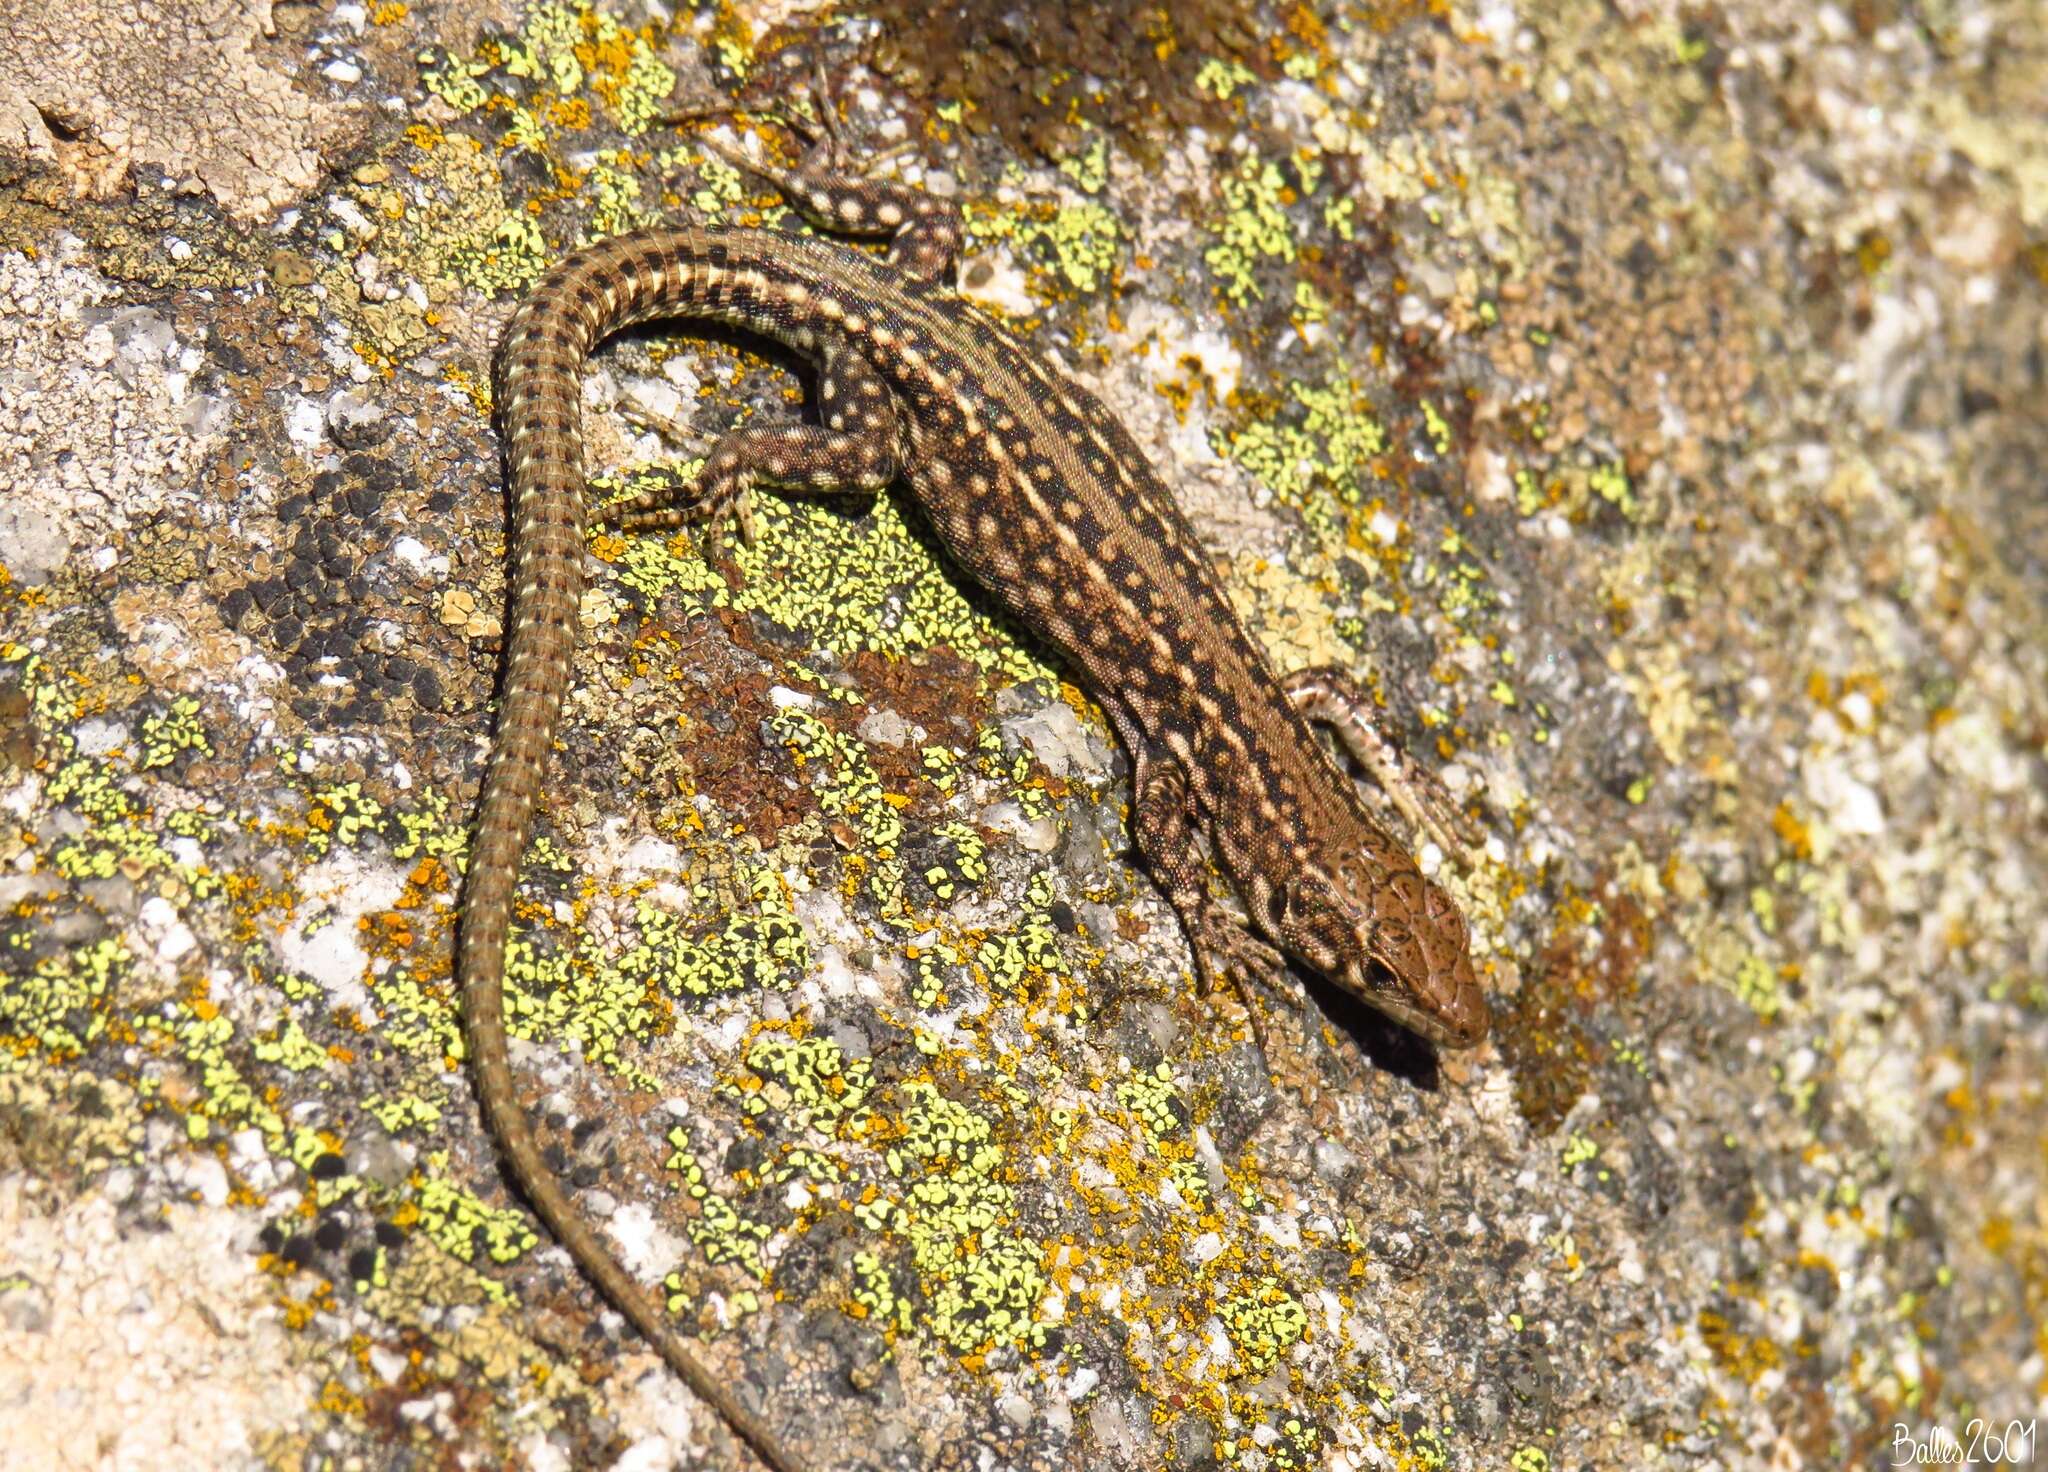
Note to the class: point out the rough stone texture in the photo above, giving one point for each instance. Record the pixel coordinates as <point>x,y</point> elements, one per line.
<point>93,88</point>
<point>182,1311</point>
<point>100,424</point>
<point>1649,400</point>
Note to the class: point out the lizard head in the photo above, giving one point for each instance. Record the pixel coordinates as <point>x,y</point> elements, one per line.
<point>1393,939</point>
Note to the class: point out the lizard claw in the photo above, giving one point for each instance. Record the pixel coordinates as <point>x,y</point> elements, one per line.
<point>747,164</point>
<point>1428,804</point>
<point>806,130</point>
<point>743,519</point>
<point>824,146</point>
<point>1226,954</point>
<point>671,505</point>
<point>673,501</point>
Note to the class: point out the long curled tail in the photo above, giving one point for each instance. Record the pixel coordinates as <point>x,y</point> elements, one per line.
<point>538,379</point>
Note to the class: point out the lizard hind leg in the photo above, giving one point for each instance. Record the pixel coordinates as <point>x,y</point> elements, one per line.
<point>853,450</point>
<point>836,194</point>
<point>667,487</point>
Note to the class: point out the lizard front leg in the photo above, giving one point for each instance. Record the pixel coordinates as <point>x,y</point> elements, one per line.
<point>1161,824</point>
<point>1329,696</point>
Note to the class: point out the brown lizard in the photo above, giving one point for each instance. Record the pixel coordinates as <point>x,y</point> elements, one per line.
<point>1044,499</point>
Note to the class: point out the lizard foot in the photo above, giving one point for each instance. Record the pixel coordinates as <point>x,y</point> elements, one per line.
<point>826,156</point>
<point>679,503</point>
<point>721,487</point>
<point>1226,954</point>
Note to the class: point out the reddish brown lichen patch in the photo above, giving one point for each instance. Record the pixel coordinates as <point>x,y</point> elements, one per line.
<point>1556,1035</point>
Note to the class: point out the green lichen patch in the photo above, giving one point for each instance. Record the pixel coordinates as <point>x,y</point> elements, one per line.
<point>953,862</point>
<point>1017,954</point>
<point>874,585</point>
<point>1075,246</point>
<point>573,996</point>
<point>720,1231</point>
<point>569,56</point>
<point>290,1048</point>
<point>208,1048</point>
<point>946,1267</point>
<point>595,997</point>
<point>1263,1320</point>
<point>1579,488</point>
<point>342,813</point>
<point>1151,1097</point>
<point>401,1112</point>
<point>1321,454</point>
<point>836,766</point>
<point>175,730</point>
<point>564,73</point>
<point>466,1229</point>
<point>1253,229</point>
<point>1223,78</point>
<point>58,1008</point>
<point>1088,168</point>
<point>756,943</point>
<point>437,209</point>
<point>417,1017</point>
<point>810,1080</point>
<point>947,1204</point>
<point>454,223</point>
<point>118,836</point>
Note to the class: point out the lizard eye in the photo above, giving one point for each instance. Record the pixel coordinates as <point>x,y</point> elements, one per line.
<point>1392,943</point>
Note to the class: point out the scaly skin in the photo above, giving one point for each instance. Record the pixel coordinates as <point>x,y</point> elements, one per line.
<point>1046,501</point>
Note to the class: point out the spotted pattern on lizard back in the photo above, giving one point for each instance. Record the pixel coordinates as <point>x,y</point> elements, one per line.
<point>1041,497</point>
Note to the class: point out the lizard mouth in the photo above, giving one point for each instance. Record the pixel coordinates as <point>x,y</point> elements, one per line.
<point>1457,1017</point>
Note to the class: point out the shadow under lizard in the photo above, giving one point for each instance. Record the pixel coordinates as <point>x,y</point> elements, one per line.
<point>1044,499</point>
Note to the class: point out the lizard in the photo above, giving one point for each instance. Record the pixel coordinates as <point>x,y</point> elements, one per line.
<point>1039,495</point>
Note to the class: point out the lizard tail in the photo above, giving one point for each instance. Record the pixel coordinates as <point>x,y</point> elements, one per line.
<point>539,402</point>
